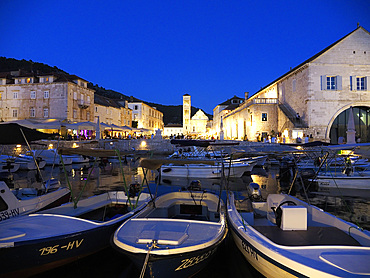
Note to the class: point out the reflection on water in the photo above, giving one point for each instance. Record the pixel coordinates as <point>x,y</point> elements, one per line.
<point>93,179</point>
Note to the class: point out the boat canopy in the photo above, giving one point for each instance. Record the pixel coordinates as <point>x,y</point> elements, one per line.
<point>12,134</point>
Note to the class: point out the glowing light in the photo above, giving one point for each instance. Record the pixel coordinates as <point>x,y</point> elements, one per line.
<point>74,145</point>
<point>18,146</point>
<point>143,144</point>
<point>50,146</point>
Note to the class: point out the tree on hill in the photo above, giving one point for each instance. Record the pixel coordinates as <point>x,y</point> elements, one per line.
<point>171,113</point>
<point>10,64</point>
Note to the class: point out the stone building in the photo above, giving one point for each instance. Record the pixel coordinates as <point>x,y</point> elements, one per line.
<point>313,98</point>
<point>146,116</point>
<point>171,130</point>
<point>222,109</point>
<point>42,96</point>
<point>112,111</point>
<point>196,125</point>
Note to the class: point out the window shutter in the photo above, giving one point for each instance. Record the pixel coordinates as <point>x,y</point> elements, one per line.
<point>339,83</point>
<point>352,81</point>
<point>323,82</point>
<point>367,83</point>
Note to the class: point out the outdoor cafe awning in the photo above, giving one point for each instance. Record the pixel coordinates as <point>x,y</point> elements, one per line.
<point>82,125</point>
<point>114,127</point>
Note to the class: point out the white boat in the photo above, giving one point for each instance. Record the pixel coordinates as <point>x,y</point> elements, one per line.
<point>28,163</point>
<point>286,237</point>
<point>356,180</point>
<point>22,201</point>
<point>37,242</point>
<point>235,170</point>
<point>77,158</point>
<point>25,162</point>
<point>52,157</point>
<point>175,236</point>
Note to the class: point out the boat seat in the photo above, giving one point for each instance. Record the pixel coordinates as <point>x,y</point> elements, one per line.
<point>293,218</point>
<point>312,236</point>
<point>273,201</point>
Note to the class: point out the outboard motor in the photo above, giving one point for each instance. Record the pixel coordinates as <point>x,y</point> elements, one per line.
<point>133,189</point>
<point>254,191</point>
<point>195,185</point>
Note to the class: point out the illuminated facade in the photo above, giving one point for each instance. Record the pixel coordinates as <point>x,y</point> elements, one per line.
<point>223,109</point>
<point>308,100</point>
<point>171,130</point>
<point>197,125</point>
<point>186,113</point>
<point>146,116</point>
<point>57,96</point>
<point>111,111</point>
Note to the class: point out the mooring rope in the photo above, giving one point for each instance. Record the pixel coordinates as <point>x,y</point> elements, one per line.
<point>154,245</point>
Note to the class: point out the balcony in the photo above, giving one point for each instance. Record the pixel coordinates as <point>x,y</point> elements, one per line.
<point>262,101</point>
<point>83,104</point>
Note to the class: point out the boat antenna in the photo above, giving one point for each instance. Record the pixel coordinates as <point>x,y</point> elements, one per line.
<point>123,176</point>
<point>145,172</point>
<point>318,170</point>
<point>224,181</point>
<point>33,156</point>
<point>300,177</point>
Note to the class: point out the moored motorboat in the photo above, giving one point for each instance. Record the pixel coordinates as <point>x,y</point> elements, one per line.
<point>235,170</point>
<point>27,162</point>
<point>52,157</point>
<point>77,158</point>
<point>175,236</point>
<point>37,242</point>
<point>353,180</point>
<point>22,201</point>
<point>286,237</point>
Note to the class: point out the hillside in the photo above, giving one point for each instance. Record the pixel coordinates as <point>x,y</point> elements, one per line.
<point>171,113</point>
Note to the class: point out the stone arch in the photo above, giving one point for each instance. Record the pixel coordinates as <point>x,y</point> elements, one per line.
<point>358,105</point>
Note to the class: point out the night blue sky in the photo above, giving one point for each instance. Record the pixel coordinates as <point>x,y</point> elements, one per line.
<point>159,50</point>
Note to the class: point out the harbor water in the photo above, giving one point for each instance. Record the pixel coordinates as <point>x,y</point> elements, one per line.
<point>228,262</point>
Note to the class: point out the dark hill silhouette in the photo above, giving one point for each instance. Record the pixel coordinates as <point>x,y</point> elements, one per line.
<point>171,113</point>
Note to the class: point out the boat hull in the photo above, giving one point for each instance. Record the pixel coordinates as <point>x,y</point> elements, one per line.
<point>324,256</point>
<point>29,258</point>
<point>180,265</point>
<point>19,203</point>
<point>30,165</point>
<point>260,261</point>
<point>178,234</point>
<point>351,182</point>
<point>38,242</point>
<point>203,171</point>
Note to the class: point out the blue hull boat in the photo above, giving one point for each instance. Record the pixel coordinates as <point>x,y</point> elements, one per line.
<point>176,235</point>
<point>286,237</point>
<point>38,242</point>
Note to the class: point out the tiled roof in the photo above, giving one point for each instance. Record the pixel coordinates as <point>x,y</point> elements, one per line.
<point>60,77</point>
<point>106,101</point>
<point>229,101</point>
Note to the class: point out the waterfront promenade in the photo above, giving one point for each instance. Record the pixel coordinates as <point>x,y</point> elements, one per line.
<point>161,147</point>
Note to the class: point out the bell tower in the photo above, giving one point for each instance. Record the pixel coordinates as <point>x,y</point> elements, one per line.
<point>186,112</point>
